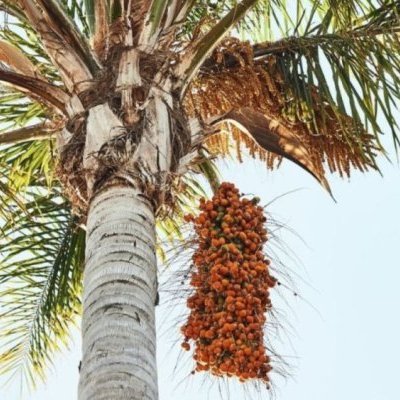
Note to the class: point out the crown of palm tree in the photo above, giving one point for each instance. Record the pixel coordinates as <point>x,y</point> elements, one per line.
<point>305,84</point>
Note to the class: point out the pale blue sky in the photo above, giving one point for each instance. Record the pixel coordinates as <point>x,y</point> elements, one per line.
<point>346,343</point>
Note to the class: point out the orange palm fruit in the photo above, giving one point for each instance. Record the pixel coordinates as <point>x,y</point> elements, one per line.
<point>231,286</point>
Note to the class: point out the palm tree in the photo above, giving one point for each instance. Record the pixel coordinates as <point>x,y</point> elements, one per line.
<point>109,111</point>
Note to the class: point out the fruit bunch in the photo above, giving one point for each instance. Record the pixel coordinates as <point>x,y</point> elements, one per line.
<point>231,283</point>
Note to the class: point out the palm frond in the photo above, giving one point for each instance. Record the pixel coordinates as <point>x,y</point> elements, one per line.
<point>79,13</point>
<point>100,14</point>
<point>41,247</point>
<point>9,8</point>
<point>39,131</point>
<point>272,18</point>
<point>28,164</point>
<point>90,8</point>
<point>63,17</point>
<point>21,35</point>
<point>19,107</point>
<point>37,89</point>
<point>152,22</point>
<point>16,110</point>
<point>209,171</point>
<point>271,136</point>
<point>66,46</point>
<point>200,48</point>
<point>14,58</point>
<point>262,87</point>
<point>42,255</point>
<point>362,60</point>
<point>327,83</point>
<point>203,15</point>
<point>24,39</point>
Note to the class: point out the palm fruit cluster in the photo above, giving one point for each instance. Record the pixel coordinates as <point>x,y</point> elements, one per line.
<point>231,282</point>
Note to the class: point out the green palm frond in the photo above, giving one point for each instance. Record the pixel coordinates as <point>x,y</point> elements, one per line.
<point>187,190</point>
<point>16,110</point>
<point>271,18</point>
<point>361,60</point>
<point>42,255</point>
<point>21,35</point>
<point>209,171</point>
<point>79,12</point>
<point>41,247</point>
<point>28,163</point>
<point>9,8</point>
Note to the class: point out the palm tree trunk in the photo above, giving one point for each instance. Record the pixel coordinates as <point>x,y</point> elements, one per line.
<point>118,326</point>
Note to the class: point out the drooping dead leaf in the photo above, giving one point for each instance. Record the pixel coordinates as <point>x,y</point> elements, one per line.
<point>274,137</point>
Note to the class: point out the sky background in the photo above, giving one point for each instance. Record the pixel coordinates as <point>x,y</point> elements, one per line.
<point>342,334</point>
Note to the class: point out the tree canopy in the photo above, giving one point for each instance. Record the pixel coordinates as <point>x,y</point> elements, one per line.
<point>305,81</point>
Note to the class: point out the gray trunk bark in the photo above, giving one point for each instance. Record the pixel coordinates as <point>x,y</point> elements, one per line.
<point>118,326</point>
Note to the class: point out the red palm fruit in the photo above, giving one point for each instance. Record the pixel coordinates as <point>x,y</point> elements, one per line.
<point>213,256</point>
<point>214,233</point>
<point>255,326</point>
<point>223,367</point>
<point>245,375</point>
<point>231,307</point>
<point>213,214</point>
<point>247,351</point>
<point>209,205</point>
<point>227,232</point>
<point>232,370</point>
<point>242,236</point>
<point>209,334</point>
<point>236,288</point>
<point>249,318</point>
<point>234,269</point>
<point>217,286</point>
<point>217,351</point>
<point>188,218</point>
<point>215,242</point>
<point>230,280</point>
<point>224,270</point>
